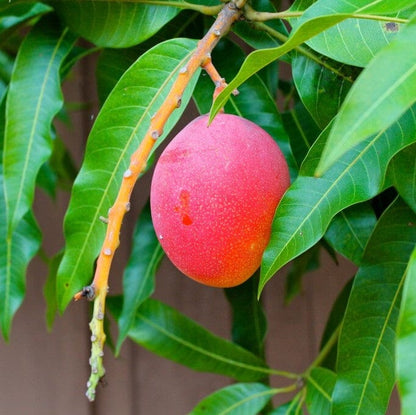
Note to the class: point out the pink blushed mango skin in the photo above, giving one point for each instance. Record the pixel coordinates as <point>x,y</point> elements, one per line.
<point>213,196</point>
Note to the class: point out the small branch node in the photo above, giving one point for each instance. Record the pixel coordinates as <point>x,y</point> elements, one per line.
<point>128,206</point>
<point>103,219</point>
<point>128,173</point>
<point>183,70</point>
<point>107,251</point>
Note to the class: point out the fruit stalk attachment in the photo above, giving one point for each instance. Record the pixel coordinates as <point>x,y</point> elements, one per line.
<point>97,291</point>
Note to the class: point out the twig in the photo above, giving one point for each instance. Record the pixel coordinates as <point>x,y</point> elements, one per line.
<point>97,291</point>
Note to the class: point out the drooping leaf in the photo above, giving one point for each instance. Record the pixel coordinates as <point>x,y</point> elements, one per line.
<point>138,279</point>
<point>372,106</point>
<point>317,18</point>
<point>402,172</point>
<point>365,362</point>
<point>406,341</point>
<point>49,290</point>
<point>167,333</point>
<point>309,205</point>
<point>117,132</point>
<point>253,102</point>
<point>350,230</point>
<point>320,383</point>
<point>238,399</point>
<point>33,100</point>
<point>16,251</point>
<point>99,21</point>
<point>249,322</point>
<point>321,90</point>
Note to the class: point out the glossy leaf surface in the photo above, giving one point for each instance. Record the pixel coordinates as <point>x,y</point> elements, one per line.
<point>16,251</point>
<point>406,341</point>
<point>320,384</point>
<point>309,205</point>
<point>118,130</point>
<point>99,21</point>
<point>365,362</point>
<point>239,399</point>
<point>166,332</point>
<point>33,100</point>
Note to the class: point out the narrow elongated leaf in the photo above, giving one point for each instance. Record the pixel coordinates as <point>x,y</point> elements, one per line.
<point>321,90</point>
<point>238,399</point>
<point>402,172</point>
<point>117,132</point>
<point>350,230</point>
<point>309,205</point>
<point>33,100</point>
<point>319,387</point>
<point>249,321</point>
<point>166,332</point>
<point>317,18</point>
<point>406,341</point>
<point>114,23</point>
<point>372,106</point>
<point>253,102</point>
<point>138,279</point>
<point>16,251</point>
<point>365,362</point>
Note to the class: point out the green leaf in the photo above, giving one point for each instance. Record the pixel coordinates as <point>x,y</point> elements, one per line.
<point>321,90</point>
<point>16,251</point>
<point>117,132</point>
<point>112,63</point>
<point>317,18</point>
<point>249,321</point>
<point>308,261</point>
<point>302,130</point>
<point>320,383</point>
<point>372,106</point>
<point>355,41</point>
<point>402,173</point>
<point>309,205</point>
<point>406,341</point>
<point>365,362</point>
<point>34,98</point>
<point>138,278</point>
<point>333,325</point>
<point>14,15</point>
<point>100,21</point>
<point>350,230</point>
<point>167,333</point>
<point>253,102</point>
<point>49,290</point>
<point>238,399</point>
<point>294,407</point>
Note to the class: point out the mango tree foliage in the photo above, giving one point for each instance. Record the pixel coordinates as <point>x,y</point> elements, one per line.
<point>345,121</point>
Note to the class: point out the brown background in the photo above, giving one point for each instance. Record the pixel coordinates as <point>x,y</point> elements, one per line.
<point>45,373</point>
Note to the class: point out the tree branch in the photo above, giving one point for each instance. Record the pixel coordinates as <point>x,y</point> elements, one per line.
<point>97,291</point>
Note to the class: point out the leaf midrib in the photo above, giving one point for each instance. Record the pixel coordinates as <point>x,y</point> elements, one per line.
<point>202,351</point>
<point>12,215</point>
<point>121,158</point>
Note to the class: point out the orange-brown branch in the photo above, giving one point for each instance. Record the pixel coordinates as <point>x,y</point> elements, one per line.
<point>98,289</point>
